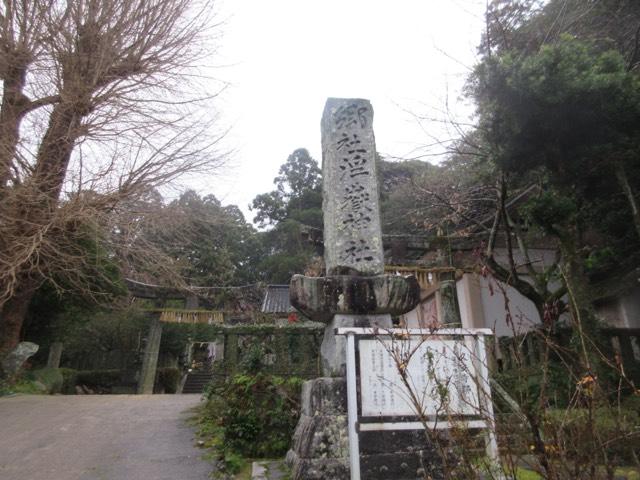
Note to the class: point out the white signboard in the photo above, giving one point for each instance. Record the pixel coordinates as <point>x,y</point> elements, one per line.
<point>441,374</point>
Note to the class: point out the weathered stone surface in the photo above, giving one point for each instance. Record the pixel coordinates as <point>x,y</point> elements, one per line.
<point>55,355</point>
<point>320,443</point>
<point>150,359</point>
<point>352,233</point>
<point>449,299</point>
<point>401,455</point>
<point>324,396</point>
<point>401,466</point>
<point>355,293</point>
<point>268,470</point>
<point>317,468</point>
<point>333,348</point>
<point>13,362</point>
<point>321,436</point>
<point>320,298</point>
<point>398,441</point>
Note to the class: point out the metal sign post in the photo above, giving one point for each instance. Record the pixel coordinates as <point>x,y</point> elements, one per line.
<point>460,363</point>
<point>352,408</point>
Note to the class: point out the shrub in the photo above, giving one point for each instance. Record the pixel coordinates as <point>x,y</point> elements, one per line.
<point>252,415</point>
<point>69,380</point>
<point>24,386</point>
<point>34,382</point>
<point>574,431</point>
<point>51,378</point>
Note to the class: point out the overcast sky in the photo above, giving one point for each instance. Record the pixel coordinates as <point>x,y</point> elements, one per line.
<point>283,58</point>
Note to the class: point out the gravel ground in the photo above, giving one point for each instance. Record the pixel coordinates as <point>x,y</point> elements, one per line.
<point>101,437</point>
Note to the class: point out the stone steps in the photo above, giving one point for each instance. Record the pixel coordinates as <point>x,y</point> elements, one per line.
<point>196,382</point>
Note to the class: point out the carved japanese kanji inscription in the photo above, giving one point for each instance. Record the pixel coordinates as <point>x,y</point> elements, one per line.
<point>353,242</point>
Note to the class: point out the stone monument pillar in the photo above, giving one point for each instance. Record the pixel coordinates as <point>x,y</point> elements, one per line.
<point>355,293</point>
<point>150,359</point>
<point>55,355</point>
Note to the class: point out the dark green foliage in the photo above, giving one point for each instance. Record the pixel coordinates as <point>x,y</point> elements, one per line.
<point>601,259</point>
<point>69,380</point>
<point>562,99</point>
<point>212,244</point>
<point>286,252</point>
<point>252,412</point>
<point>397,200</point>
<point>5,388</point>
<point>611,424</point>
<point>567,107</point>
<point>282,351</point>
<point>298,193</point>
<point>167,379</point>
<point>270,208</point>
<point>632,403</point>
<point>295,205</point>
<point>88,336</point>
<point>34,382</point>
<point>175,337</point>
<point>299,173</point>
<point>571,109</point>
<point>523,384</point>
<point>253,358</point>
<point>295,348</point>
<point>51,378</point>
<point>526,25</point>
<point>54,313</point>
<point>550,211</point>
<point>100,381</point>
<point>255,415</point>
<point>392,174</point>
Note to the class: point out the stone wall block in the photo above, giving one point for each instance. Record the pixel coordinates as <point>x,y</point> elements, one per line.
<point>400,466</point>
<point>321,436</point>
<point>386,441</point>
<point>318,468</point>
<point>324,396</point>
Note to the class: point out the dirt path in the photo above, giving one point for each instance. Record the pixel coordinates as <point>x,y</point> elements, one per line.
<point>99,437</point>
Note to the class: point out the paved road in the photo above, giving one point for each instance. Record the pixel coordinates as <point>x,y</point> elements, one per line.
<point>99,437</point>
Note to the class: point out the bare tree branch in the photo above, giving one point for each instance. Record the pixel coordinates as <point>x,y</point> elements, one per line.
<point>116,113</point>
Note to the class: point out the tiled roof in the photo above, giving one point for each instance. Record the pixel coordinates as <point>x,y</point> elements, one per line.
<point>276,299</point>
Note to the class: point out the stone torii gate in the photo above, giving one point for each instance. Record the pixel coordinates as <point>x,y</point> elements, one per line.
<point>159,295</point>
<point>355,292</point>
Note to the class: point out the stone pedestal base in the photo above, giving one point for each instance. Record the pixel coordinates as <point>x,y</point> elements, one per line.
<point>320,449</point>
<point>333,348</point>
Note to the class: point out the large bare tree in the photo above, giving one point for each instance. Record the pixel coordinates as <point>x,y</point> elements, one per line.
<point>103,101</point>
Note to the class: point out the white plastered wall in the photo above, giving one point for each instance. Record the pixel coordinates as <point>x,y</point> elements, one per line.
<point>482,304</point>
<point>623,312</point>
<point>631,309</point>
<point>424,315</point>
